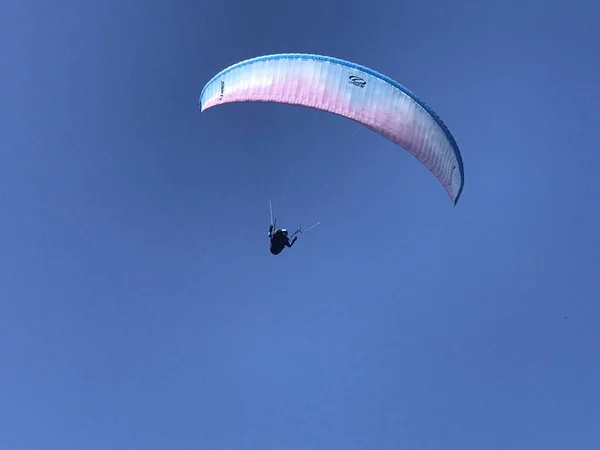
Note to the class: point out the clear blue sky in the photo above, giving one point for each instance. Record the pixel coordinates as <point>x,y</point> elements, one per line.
<point>140,307</point>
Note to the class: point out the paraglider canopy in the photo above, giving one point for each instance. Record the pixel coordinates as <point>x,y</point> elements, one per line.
<point>350,90</point>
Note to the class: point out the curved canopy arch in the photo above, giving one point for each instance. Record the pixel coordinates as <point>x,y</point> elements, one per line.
<point>350,90</point>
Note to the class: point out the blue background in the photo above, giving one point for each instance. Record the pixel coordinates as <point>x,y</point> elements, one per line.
<point>140,307</point>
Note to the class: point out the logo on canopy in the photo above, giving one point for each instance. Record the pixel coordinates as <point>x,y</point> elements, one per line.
<point>357,81</point>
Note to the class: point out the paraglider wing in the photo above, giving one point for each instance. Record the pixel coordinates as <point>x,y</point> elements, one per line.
<point>350,90</point>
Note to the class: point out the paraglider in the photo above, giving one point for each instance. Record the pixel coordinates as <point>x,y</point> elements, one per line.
<point>279,240</point>
<point>350,90</point>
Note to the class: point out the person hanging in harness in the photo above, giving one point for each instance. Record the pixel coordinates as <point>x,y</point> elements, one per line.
<point>280,240</point>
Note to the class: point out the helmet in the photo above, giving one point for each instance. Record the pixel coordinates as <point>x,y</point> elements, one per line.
<point>284,231</point>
